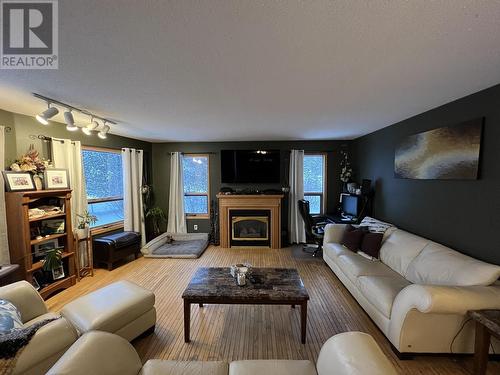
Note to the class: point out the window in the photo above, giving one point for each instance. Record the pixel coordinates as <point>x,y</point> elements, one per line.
<point>315,182</point>
<point>196,185</point>
<point>104,180</point>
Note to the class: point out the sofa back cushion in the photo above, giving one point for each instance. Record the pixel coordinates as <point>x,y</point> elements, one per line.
<point>400,248</point>
<point>440,265</point>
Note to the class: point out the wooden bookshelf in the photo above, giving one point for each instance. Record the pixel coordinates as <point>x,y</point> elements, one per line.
<point>22,242</point>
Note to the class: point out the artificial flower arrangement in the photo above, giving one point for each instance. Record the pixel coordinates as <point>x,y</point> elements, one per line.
<point>346,170</point>
<point>31,162</point>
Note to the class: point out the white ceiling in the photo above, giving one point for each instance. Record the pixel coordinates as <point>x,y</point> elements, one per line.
<point>216,70</point>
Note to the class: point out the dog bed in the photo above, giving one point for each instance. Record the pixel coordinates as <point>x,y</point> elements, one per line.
<point>184,245</point>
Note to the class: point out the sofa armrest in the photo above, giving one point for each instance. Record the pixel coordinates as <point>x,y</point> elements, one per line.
<point>439,300</point>
<point>334,233</point>
<point>26,299</point>
<point>353,353</point>
<point>446,299</point>
<point>98,353</point>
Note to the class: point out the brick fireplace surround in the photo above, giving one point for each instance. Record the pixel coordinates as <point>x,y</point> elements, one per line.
<point>228,202</point>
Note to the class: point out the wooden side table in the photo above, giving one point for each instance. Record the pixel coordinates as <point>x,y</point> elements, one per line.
<point>487,325</point>
<point>82,270</point>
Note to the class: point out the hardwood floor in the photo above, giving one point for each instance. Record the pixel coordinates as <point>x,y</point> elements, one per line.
<point>222,332</point>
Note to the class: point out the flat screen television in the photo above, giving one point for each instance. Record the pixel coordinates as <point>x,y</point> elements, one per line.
<point>250,166</point>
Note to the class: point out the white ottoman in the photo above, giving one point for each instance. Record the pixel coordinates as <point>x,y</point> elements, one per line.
<point>123,308</point>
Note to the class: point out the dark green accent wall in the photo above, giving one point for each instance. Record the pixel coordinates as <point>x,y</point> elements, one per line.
<point>161,169</point>
<point>464,215</point>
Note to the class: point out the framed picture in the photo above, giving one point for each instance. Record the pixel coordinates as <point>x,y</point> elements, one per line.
<point>58,273</point>
<point>18,181</point>
<point>41,248</point>
<point>35,283</point>
<point>55,179</point>
<point>53,226</point>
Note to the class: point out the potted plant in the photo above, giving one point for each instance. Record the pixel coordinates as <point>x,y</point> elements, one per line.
<point>157,217</point>
<point>84,222</point>
<point>52,263</point>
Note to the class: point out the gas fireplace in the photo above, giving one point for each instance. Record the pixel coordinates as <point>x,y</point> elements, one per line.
<point>250,227</point>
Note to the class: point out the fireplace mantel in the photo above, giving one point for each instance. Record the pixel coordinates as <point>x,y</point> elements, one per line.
<point>228,202</point>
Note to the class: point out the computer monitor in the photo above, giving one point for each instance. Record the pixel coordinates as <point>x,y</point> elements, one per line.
<point>350,205</point>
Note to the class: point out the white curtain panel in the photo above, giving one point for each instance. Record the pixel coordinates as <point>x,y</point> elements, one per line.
<point>132,164</point>
<point>295,222</point>
<point>176,216</point>
<point>67,154</point>
<point>4,243</point>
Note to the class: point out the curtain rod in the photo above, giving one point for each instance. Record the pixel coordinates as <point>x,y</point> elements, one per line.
<point>197,152</point>
<point>48,139</point>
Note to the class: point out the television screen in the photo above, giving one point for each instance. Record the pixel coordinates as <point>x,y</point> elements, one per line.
<point>247,166</point>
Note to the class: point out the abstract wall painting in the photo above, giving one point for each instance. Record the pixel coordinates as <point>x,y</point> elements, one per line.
<point>447,153</point>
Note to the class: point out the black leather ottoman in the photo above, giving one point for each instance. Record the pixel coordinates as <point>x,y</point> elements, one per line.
<point>111,248</point>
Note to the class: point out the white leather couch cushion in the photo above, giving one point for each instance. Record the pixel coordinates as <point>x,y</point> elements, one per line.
<point>160,367</point>
<point>272,367</point>
<point>110,308</point>
<point>334,250</point>
<point>354,265</point>
<point>54,338</point>
<point>400,249</point>
<point>440,265</point>
<point>352,353</point>
<point>98,353</point>
<point>381,291</point>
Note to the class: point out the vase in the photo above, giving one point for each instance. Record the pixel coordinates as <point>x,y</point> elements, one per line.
<point>38,182</point>
<point>82,232</point>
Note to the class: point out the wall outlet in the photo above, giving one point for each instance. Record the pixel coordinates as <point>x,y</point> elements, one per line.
<point>195,226</point>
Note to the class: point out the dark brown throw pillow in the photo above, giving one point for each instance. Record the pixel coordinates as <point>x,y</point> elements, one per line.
<point>352,237</point>
<point>371,244</point>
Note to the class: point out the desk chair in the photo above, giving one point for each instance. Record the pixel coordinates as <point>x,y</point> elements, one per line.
<point>314,226</point>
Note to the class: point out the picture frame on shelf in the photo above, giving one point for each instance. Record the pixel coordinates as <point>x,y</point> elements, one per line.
<point>35,283</point>
<point>55,179</point>
<point>41,248</point>
<point>52,226</point>
<point>58,273</point>
<point>18,181</point>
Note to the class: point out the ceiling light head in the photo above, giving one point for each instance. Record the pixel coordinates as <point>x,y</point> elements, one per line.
<point>46,115</point>
<point>104,131</point>
<point>90,127</point>
<point>70,121</point>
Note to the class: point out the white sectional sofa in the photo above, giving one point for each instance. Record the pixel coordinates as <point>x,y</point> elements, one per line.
<point>349,353</point>
<point>419,292</point>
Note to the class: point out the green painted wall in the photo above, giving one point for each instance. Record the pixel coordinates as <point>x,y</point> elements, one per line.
<point>161,169</point>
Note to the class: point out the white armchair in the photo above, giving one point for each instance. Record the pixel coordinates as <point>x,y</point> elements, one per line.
<point>50,342</point>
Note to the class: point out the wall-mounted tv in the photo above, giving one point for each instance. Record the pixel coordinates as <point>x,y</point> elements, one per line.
<point>250,166</point>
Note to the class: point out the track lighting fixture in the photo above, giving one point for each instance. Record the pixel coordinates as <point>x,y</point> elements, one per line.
<point>70,121</point>
<point>104,131</point>
<point>47,114</point>
<point>90,127</point>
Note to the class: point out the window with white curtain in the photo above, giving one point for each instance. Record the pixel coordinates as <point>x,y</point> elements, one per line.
<point>315,182</point>
<point>104,180</point>
<point>195,170</point>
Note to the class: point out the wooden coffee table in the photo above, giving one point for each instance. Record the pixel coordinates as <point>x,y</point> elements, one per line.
<point>271,286</point>
<point>487,325</point>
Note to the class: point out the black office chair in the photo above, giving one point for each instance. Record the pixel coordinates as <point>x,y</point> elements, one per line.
<point>314,226</point>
